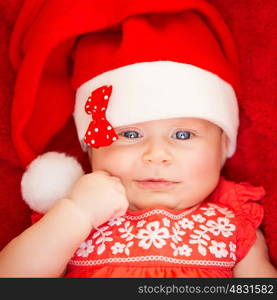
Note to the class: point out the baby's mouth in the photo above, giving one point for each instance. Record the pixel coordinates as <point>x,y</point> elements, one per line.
<point>156,184</point>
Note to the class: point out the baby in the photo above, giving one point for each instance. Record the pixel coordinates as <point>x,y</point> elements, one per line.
<point>157,112</point>
<point>150,185</point>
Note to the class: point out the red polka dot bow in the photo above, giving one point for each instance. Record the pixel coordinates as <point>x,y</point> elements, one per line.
<point>100,133</point>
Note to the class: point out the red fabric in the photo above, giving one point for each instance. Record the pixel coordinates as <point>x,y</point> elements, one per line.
<point>100,132</point>
<point>43,85</point>
<point>206,240</point>
<point>252,24</point>
<point>190,32</point>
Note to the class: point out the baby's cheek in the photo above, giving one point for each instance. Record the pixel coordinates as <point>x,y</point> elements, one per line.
<point>115,162</point>
<point>204,164</point>
<point>120,168</point>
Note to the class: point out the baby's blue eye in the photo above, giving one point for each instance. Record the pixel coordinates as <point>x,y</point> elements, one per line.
<point>183,135</point>
<point>130,134</point>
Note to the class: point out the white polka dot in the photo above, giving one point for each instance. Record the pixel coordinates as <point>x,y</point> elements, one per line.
<point>96,129</point>
<point>103,91</point>
<point>93,141</point>
<point>95,106</point>
<point>89,99</point>
<point>89,133</point>
<point>87,106</point>
<point>107,136</point>
<point>106,97</point>
<point>103,108</point>
<point>114,138</point>
<point>109,127</point>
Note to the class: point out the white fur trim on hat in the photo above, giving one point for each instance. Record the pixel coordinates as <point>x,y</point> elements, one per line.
<point>160,90</point>
<point>49,178</point>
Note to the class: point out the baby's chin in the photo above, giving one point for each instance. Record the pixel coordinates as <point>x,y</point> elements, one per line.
<point>161,201</point>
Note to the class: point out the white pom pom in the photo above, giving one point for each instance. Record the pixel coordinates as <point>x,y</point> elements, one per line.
<point>49,178</point>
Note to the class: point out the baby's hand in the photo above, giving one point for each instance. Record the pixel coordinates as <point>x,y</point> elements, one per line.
<point>100,197</point>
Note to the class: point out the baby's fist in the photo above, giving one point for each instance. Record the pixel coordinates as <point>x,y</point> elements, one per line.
<point>100,197</point>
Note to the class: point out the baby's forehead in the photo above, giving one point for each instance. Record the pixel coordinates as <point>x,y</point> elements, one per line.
<point>183,121</point>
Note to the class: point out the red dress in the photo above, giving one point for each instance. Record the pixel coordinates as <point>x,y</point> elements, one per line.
<point>206,240</point>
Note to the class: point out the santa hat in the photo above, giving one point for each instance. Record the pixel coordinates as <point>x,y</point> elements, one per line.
<point>114,64</point>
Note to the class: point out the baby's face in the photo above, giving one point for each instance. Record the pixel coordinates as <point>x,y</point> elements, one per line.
<point>186,152</point>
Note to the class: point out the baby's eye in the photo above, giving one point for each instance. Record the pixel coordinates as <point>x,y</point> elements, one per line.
<point>130,134</point>
<point>182,135</point>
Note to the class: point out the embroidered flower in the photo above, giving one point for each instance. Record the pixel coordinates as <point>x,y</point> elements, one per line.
<point>200,237</point>
<point>152,235</point>
<point>126,230</point>
<point>141,223</point>
<point>120,248</point>
<point>181,250</point>
<point>177,232</point>
<point>85,249</point>
<point>116,221</point>
<point>218,249</point>
<point>100,231</point>
<point>186,223</point>
<point>126,249</point>
<point>104,237</point>
<point>222,226</point>
<point>166,222</point>
<point>117,248</point>
<point>232,248</point>
<point>224,210</point>
<point>198,218</point>
<point>209,211</point>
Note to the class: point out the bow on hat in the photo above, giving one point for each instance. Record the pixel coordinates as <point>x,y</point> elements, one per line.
<point>100,133</point>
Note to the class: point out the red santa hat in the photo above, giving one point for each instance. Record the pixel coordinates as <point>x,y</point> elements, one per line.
<point>115,64</point>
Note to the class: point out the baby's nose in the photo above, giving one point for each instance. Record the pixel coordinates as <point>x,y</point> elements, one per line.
<point>157,154</point>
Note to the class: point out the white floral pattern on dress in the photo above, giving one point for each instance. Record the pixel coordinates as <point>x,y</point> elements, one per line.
<point>211,210</point>
<point>222,226</point>
<point>232,248</point>
<point>200,230</point>
<point>225,211</point>
<point>153,234</point>
<point>186,223</point>
<point>166,222</point>
<point>198,218</point>
<point>85,249</point>
<point>141,223</point>
<point>201,238</point>
<point>104,237</point>
<point>116,221</point>
<point>177,233</point>
<point>218,249</point>
<point>127,234</point>
<point>119,248</point>
<point>181,250</point>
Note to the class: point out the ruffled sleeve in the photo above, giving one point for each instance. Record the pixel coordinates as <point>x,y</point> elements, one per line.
<point>242,198</point>
<point>250,214</point>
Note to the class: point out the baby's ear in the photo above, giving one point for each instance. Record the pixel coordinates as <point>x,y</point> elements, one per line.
<point>224,147</point>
